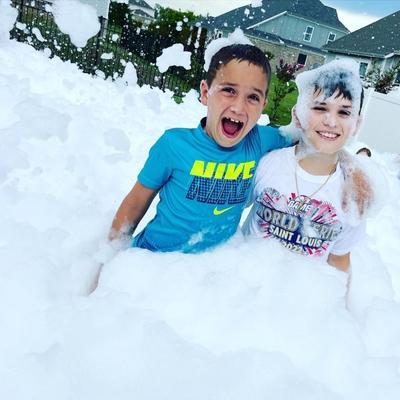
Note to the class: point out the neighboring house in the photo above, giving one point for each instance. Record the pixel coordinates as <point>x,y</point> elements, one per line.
<point>141,11</point>
<point>294,30</point>
<point>374,46</point>
<point>101,6</point>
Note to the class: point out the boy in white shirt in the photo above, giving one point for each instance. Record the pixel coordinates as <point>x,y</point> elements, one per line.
<point>298,191</point>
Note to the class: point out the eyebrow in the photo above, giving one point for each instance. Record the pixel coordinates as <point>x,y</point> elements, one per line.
<point>324,103</point>
<point>259,91</point>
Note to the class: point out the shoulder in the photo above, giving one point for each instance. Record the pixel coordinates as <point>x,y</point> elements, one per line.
<point>275,162</point>
<point>276,156</point>
<point>271,131</point>
<point>173,136</point>
<point>271,137</point>
<point>174,133</point>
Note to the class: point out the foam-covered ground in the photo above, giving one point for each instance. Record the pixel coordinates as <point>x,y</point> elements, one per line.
<point>245,321</point>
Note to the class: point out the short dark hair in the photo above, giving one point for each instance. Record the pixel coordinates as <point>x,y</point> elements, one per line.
<point>329,85</point>
<point>240,52</point>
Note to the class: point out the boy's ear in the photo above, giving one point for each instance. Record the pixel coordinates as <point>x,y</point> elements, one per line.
<point>203,92</point>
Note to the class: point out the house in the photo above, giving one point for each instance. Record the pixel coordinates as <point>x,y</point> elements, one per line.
<point>294,30</point>
<point>375,46</point>
<point>141,11</point>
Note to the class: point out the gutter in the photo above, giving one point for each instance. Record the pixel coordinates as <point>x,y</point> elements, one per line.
<point>267,20</point>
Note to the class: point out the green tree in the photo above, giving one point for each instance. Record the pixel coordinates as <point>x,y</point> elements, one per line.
<point>283,85</point>
<point>173,24</point>
<point>119,14</point>
<point>382,82</point>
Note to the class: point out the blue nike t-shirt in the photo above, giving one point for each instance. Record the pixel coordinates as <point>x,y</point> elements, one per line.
<point>204,187</point>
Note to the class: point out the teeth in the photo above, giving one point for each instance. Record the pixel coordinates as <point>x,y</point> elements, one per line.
<point>328,135</point>
<point>234,120</point>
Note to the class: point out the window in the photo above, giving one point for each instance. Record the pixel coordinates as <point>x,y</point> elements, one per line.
<point>301,59</point>
<point>397,80</point>
<point>363,69</point>
<point>308,34</point>
<point>331,37</point>
<point>217,34</point>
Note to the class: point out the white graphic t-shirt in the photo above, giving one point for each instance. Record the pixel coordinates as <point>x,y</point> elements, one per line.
<point>313,226</point>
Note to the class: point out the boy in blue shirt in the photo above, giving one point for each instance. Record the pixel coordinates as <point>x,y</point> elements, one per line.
<point>203,175</point>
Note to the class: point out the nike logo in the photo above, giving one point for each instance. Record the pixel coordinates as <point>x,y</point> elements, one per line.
<point>219,212</point>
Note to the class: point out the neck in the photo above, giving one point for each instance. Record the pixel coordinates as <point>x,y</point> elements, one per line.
<point>316,163</point>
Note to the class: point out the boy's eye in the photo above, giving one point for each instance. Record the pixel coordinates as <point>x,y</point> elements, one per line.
<point>254,98</point>
<point>319,108</point>
<point>228,89</point>
<point>345,113</point>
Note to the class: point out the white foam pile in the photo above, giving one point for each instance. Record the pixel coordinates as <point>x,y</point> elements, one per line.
<point>245,321</point>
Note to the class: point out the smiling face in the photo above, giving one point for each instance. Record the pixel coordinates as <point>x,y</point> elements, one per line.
<point>234,101</point>
<point>330,122</point>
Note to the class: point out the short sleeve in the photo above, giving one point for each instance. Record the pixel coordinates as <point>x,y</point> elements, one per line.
<point>271,138</point>
<point>350,236</point>
<point>252,195</point>
<point>262,166</point>
<point>158,167</point>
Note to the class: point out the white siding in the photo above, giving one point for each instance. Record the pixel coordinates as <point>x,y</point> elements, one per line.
<point>380,126</point>
<point>294,28</point>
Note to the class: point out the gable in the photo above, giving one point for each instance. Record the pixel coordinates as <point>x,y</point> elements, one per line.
<point>247,16</point>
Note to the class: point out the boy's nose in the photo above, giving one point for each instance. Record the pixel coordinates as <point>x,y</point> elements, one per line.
<point>330,120</point>
<point>238,105</point>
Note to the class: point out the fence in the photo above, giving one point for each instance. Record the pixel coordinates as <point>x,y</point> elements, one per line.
<point>380,126</point>
<point>111,49</point>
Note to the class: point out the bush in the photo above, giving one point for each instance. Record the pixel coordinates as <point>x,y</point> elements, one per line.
<point>382,83</point>
<point>284,85</point>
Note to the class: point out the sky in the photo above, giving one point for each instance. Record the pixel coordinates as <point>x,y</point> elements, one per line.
<point>353,13</point>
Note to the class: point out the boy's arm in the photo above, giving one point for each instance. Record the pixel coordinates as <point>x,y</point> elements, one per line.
<point>342,263</point>
<point>357,187</point>
<point>131,211</point>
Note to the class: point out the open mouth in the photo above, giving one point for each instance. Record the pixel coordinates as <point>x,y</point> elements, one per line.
<point>328,135</point>
<point>231,127</point>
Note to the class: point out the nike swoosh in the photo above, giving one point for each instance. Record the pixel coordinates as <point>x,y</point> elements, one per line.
<point>219,212</point>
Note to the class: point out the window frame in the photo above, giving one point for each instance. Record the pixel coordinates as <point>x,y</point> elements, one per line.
<point>305,33</point>
<point>305,60</point>
<point>362,63</point>
<point>334,37</point>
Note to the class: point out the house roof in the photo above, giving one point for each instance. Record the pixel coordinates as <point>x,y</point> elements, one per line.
<point>142,13</point>
<point>270,37</point>
<point>247,16</point>
<point>140,3</point>
<point>378,39</point>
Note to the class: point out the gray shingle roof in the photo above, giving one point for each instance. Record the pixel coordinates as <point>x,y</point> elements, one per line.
<point>246,16</point>
<point>270,37</point>
<point>377,39</point>
<point>140,3</point>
